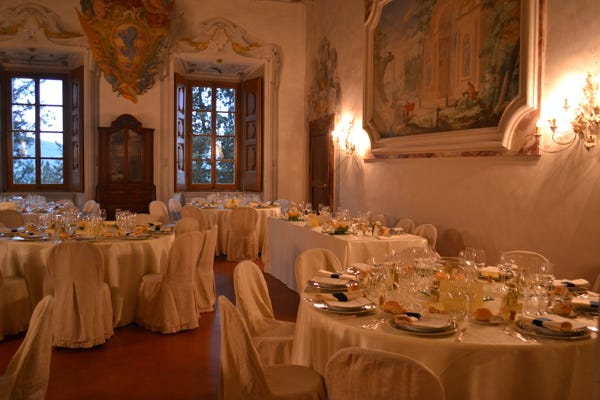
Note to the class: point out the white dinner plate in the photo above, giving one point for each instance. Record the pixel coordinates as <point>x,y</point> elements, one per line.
<point>496,320</point>
<point>327,283</point>
<point>413,330</point>
<point>366,308</point>
<point>527,328</point>
<point>428,324</point>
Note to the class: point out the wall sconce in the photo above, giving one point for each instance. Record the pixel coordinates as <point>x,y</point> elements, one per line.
<point>342,137</point>
<point>584,124</point>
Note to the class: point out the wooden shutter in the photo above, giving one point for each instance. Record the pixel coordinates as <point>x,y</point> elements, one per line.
<point>75,131</point>
<point>252,135</point>
<point>180,98</point>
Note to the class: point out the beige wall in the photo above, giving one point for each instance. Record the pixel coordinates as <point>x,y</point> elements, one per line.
<point>549,204</point>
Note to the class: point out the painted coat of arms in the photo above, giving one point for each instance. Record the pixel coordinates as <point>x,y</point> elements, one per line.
<point>129,39</point>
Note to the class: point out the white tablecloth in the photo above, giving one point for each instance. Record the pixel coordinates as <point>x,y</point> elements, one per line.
<point>125,262</point>
<point>220,216</point>
<point>487,364</point>
<point>286,240</point>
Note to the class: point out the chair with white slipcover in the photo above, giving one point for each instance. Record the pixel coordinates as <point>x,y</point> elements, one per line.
<point>91,207</point>
<point>243,375</point>
<point>15,306</point>
<point>356,373</point>
<point>429,232</point>
<point>192,211</point>
<point>28,371</point>
<point>166,302</point>
<point>310,261</point>
<point>174,207</point>
<point>272,338</point>
<point>242,243</point>
<point>186,224</point>
<point>11,218</point>
<point>205,274</point>
<point>83,315</point>
<point>407,224</point>
<point>159,210</point>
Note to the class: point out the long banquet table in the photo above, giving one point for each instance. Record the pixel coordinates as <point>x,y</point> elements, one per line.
<point>287,239</point>
<point>487,364</point>
<point>125,262</point>
<point>220,216</point>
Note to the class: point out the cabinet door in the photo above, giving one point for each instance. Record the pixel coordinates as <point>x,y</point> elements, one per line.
<point>116,155</point>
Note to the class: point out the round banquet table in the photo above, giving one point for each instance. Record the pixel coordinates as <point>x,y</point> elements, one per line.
<point>125,262</point>
<point>220,216</point>
<point>487,364</point>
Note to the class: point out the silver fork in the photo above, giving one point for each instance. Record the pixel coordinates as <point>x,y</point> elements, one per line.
<point>517,335</point>
<point>373,324</point>
<point>460,334</point>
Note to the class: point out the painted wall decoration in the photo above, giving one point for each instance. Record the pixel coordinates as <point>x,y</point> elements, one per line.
<point>444,68</point>
<point>130,40</point>
<point>325,93</point>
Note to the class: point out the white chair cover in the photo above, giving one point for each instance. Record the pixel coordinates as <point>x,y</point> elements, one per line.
<point>242,243</point>
<point>407,224</point>
<point>16,305</point>
<point>310,261</point>
<point>158,209</point>
<point>186,224</point>
<point>528,261</point>
<point>27,374</point>
<point>355,373</point>
<point>91,206</point>
<point>194,212</point>
<point>174,207</point>
<point>273,338</point>
<point>429,232</point>
<point>243,376</point>
<point>166,303</point>
<point>11,218</point>
<point>83,315</point>
<point>145,219</point>
<point>205,275</point>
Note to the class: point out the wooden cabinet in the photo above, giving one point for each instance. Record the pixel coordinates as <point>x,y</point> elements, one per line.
<point>126,166</point>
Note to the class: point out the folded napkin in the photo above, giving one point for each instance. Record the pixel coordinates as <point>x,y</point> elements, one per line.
<point>426,322</point>
<point>343,297</point>
<point>407,318</point>
<point>357,303</point>
<point>581,302</point>
<point>335,275</point>
<point>556,324</point>
<point>327,281</point>
<point>571,282</point>
<point>489,271</point>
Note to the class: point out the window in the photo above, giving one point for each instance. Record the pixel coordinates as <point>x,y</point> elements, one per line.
<point>42,148</point>
<point>213,136</point>
<point>218,135</point>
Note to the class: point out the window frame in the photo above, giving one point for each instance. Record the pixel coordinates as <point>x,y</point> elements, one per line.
<point>10,186</point>
<point>236,185</point>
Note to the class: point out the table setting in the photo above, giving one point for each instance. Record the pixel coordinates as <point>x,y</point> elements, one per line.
<point>466,334</point>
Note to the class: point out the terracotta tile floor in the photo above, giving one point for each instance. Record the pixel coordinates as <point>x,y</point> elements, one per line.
<point>137,364</point>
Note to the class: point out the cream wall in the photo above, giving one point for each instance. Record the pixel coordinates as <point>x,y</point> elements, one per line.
<point>549,204</point>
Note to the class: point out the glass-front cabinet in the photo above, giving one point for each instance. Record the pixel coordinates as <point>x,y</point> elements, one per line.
<point>126,171</point>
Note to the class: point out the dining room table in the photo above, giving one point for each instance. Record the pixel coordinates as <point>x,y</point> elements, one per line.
<point>220,215</point>
<point>126,260</point>
<point>494,360</point>
<point>287,239</point>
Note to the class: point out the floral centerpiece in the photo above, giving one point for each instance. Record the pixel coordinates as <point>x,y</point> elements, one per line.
<point>294,214</point>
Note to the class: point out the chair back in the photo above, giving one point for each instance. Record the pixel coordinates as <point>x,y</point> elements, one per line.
<point>183,257</point>
<point>90,207</point>
<point>355,373</point>
<point>407,224</point>
<point>528,261</point>
<point>205,273</point>
<point>11,218</point>
<point>83,310</point>
<point>186,224</point>
<point>174,207</point>
<point>158,209</point>
<point>252,296</point>
<point>194,212</point>
<point>310,261</point>
<point>242,243</point>
<point>429,232</point>
<point>241,371</point>
<point>28,372</point>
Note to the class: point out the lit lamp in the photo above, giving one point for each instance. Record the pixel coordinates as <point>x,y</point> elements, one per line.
<point>342,137</point>
<point>585,122</point>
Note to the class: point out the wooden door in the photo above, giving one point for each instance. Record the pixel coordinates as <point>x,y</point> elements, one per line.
<point>321,158</point>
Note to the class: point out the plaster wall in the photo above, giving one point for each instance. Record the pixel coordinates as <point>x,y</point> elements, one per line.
<point>549,204</point>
